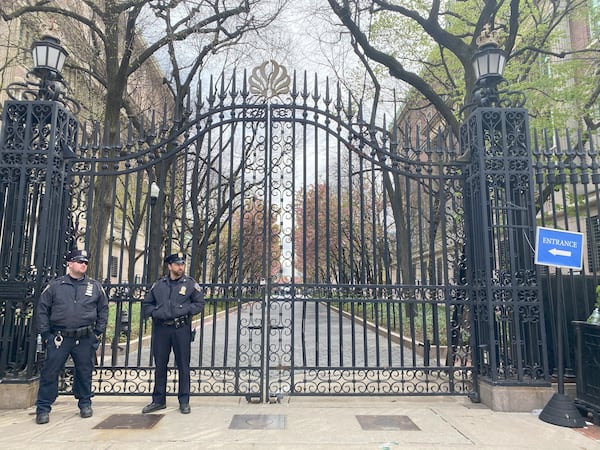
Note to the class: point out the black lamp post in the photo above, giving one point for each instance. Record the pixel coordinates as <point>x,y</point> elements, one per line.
<point>488,64</point>
<point>500,221</point>
<point>48,55</point>
<point>154,193</point>
<point>48,60</point>
<point>39,136</point>
<point>49,85</point>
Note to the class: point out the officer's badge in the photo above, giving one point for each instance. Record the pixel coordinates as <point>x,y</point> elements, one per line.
<point>182,290</point>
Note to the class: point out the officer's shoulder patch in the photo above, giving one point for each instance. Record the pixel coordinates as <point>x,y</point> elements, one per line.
<point>197,287</point>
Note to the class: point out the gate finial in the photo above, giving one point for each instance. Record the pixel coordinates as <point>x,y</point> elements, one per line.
<point>269,80</point>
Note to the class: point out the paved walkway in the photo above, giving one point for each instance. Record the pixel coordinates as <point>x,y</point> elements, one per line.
<point>296,423</point>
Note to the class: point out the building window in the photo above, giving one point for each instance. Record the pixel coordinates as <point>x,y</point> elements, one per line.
<point>595,19</point>
<point>25,41</point>
<point>592,227</point>
<point>114,266</point>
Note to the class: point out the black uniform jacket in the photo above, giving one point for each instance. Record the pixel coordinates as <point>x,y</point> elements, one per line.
<point>165,302</point>
<point>68,304</point>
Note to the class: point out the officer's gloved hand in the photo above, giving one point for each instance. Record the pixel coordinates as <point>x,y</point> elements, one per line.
<point>96,343</point>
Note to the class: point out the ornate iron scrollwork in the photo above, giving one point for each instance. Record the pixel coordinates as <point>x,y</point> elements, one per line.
<point>51,87</point>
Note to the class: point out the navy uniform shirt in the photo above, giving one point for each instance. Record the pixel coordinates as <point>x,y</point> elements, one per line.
<point>168,299</point>
<point>69,304</point>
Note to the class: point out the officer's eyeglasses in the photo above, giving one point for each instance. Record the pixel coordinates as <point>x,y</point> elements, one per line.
<point>82,262</point>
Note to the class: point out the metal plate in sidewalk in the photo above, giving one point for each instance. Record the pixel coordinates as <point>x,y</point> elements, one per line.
<point>386,423</point>
<point>257,422</point>
<point>129,422</point>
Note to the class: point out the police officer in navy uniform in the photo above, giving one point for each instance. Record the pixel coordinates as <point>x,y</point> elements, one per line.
<point>171,302</point>
<point>71,316</point>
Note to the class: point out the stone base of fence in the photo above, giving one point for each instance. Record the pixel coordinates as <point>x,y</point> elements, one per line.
<point>519,398</point>
<point>18,394</point>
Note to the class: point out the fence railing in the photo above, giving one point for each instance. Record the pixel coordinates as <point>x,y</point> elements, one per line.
<point>567,176</point>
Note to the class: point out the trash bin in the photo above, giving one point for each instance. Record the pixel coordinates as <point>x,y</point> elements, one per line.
<point>588,369</point>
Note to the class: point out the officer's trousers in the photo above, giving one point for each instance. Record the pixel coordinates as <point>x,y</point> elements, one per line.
<point>165,338</point>
<point>83,351</point>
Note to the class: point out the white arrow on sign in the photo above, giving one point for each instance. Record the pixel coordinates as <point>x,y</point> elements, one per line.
<point>557,252</point>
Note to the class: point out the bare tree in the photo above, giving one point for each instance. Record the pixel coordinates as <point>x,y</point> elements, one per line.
<point>118,40</point>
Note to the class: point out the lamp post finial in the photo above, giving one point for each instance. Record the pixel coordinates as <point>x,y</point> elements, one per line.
<point>488,36</point>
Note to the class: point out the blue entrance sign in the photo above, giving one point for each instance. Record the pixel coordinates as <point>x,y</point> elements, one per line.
<point>559,248</point>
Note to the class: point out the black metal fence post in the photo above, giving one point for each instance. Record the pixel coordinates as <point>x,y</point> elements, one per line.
<point>508,315</point>
<point>508,312</point>
<point>39,135</point>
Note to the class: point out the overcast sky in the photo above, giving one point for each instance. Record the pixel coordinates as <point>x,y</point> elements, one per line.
<point>302,38</point>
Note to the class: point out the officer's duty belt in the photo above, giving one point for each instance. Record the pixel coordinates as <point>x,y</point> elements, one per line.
<point>76,332</point>
<point>176,322</point>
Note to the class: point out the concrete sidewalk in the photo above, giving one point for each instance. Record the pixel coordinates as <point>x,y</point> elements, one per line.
<point>296,423</point>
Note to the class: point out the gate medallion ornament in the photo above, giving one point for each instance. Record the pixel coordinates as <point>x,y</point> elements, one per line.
<point>269,80</point>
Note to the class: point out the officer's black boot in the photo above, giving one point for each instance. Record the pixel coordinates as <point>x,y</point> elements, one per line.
<point>86,411</point>
<point>185,408</point>
<point>42,418</point>
<point>153,407</point>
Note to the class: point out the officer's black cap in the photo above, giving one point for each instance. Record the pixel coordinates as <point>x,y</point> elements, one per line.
<point>78,255</point>
<point>177,258</point>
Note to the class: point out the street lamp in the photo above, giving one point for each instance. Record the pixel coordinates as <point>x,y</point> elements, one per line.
<point>488,64</point>
<point>48,57</point>
<point>154,193</point>
<point>48,60</point>
<point>153,226</point>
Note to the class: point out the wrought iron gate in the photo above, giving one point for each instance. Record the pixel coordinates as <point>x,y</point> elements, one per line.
<point>331,250</point>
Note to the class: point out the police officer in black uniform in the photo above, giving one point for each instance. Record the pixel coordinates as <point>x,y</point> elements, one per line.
<point>171,302</point>
<point>71,316</point>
